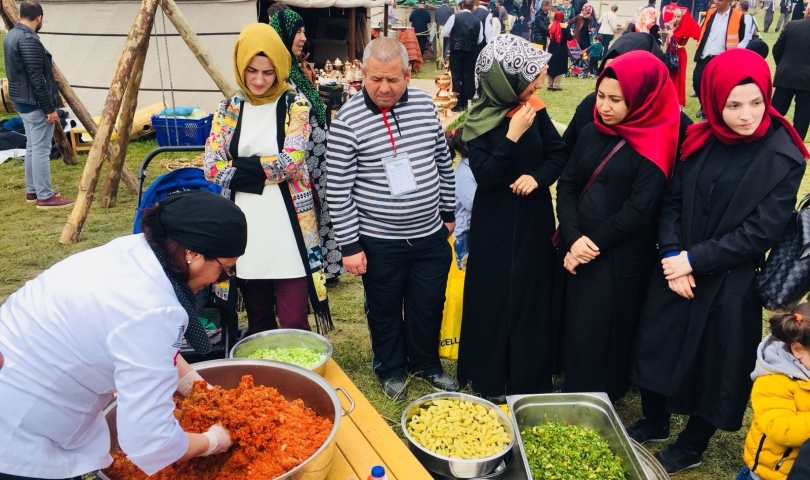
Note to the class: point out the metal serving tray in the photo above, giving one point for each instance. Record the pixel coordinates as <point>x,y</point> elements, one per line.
<point>589,410</point>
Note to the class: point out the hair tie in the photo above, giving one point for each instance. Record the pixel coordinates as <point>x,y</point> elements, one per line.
<point>798,317</point>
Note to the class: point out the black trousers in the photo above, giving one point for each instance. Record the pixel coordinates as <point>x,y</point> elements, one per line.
<point>5,476</point>
<point>698,431</point>
<point>462,68</point>
<point>801,467</point>
<point>409,274</point>
<point>697,75</point>
<point>768,19</point>
<point>782,97</point>
<point>422,39</point>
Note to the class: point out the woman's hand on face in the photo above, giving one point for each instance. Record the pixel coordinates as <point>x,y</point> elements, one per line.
<point>683,286</point>
<point>524,185</point>
<point>584,250</point>
<point>520,122</point>
<point>677,266</point>
<point>570,263</point>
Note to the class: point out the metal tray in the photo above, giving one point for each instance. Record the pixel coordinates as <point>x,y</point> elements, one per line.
<point>589,410</point>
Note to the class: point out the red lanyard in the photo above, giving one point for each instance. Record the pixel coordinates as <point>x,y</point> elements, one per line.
<point>387,126</point>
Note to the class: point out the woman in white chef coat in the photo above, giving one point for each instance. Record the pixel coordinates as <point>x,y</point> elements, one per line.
<point>112,319</point>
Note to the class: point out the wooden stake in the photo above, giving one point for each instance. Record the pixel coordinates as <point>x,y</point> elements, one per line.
<point>203,56</point>
<point>136,40</point>
<point>109,194</point>
<point>11,15</point>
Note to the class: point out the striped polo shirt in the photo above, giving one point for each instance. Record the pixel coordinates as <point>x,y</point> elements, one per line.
<point>357,190</point>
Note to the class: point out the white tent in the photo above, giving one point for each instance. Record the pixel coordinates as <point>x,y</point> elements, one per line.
<point>86,38</point>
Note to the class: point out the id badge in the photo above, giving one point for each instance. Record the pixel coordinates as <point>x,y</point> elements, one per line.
<point>400,176</point>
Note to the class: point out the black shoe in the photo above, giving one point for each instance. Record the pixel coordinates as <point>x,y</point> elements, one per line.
<point>395,388</point>
<point>676,458</point>
<point>776,31</point>
<point>645,431</point>
<point>441,382</point>
<point>700,114</point>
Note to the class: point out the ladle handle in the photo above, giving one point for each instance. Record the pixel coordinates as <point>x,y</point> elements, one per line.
<point>348,397</point>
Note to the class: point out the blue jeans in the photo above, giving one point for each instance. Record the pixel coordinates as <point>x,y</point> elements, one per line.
<point>744,474</point>
<point>462,249</point>
<point>38,134</point>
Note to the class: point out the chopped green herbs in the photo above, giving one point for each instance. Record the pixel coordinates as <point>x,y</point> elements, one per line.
<point>569,452</point>
<point>301,356</point>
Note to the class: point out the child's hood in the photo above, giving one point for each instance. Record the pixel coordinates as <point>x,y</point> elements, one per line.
<point>772,358</point>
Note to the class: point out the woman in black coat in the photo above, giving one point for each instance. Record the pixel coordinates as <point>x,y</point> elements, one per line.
<point>558,36</point>
<point>515,155</point>
<point>727,205</point>
<point>607,199</point>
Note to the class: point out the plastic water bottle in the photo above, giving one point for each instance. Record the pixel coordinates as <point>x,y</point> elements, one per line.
<point>377,473</point>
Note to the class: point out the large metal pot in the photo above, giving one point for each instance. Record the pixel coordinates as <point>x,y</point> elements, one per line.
<point>292,382</point>
<point>285,338</point>
<point>454,467</point>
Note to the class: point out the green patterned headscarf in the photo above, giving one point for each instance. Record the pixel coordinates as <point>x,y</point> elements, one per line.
<point>287,23</point>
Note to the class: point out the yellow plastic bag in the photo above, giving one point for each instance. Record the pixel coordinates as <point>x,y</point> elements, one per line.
<point>454,299</point>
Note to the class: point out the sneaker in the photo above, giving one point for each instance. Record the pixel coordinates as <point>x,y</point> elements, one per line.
<point>676,458</point>
<point>644,431</point>
<point>395,388</point>
<point>441,382</point>
<point>32,197</point>
<point>54,202</point>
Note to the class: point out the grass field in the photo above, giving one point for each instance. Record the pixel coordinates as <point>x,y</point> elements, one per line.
<point>28,245</point>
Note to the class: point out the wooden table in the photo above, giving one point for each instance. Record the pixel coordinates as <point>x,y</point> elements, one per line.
<point>364,439</point>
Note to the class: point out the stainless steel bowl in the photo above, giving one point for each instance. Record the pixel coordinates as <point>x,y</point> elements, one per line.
<point>454,467</point>
<point>589,410</point>
<point>292,382</point>
<point>285,338</point>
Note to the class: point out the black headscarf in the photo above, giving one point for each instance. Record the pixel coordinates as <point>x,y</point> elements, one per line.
<point>202,222</point>
<point>630,42</point>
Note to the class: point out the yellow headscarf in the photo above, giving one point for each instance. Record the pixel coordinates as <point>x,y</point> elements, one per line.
<point>256,38</point>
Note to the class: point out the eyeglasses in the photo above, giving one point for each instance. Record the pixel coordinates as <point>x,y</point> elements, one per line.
<point>227,272</point>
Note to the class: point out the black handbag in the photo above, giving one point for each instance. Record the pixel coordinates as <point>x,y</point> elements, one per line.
<point>785,279</point>
<point>671,56</point>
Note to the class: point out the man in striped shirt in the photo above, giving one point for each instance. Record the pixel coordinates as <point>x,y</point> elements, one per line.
<point>390,191</point>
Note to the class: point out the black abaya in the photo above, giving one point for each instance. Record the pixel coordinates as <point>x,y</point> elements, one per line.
<point>558,64</point>
<point>726,206</point>
<point>504,330</point>
<point>603,299</point>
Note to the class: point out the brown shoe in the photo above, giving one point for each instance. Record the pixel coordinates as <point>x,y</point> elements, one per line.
<point>54,202</point>
<point>32,197</point>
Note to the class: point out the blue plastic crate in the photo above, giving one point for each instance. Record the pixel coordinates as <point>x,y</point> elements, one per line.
<point>186,132</point>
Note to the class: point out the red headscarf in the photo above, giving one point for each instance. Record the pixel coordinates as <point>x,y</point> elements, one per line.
<point>555,31</point>
<point>653,113</point>
<point>722,74</point>
<point>688,27</point>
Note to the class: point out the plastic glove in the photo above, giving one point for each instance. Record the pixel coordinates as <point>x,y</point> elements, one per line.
<point>218,440</point>
<point>185,383</point>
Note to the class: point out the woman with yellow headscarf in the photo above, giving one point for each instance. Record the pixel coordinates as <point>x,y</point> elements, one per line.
<point>256,153</point>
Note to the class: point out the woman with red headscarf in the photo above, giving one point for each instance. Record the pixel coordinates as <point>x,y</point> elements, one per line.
<point>683,28</point>
<point>727,204</point>
<point>558,35</point>
<point>607,198</point>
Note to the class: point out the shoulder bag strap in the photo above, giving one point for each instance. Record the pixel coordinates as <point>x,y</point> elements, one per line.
<point>601,167</point>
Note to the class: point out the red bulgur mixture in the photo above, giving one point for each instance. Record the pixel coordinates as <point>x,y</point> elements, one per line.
<point>271,436</point>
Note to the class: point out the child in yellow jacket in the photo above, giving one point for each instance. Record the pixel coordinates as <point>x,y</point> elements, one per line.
<point>780,398</point>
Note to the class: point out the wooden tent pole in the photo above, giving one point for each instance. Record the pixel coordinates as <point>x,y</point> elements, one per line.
<point>385,20</point>
<point>352,33</point>
<point>118,158</point>
<point>11,15</point>
<point>198,49</point>
<point>58,134</point>
<point>136,40</point>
